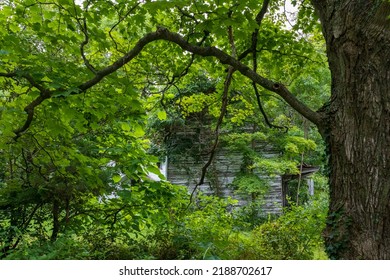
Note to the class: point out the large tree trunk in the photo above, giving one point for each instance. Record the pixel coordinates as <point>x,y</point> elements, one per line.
<point>357,34</point>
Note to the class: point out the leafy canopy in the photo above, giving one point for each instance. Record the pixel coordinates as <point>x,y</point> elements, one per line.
<point>82,81</point>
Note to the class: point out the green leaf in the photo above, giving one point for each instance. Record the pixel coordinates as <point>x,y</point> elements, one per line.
<point>139,131</point>
<point>125,126</point>
<point>162,115</point>
<point>116,178</point>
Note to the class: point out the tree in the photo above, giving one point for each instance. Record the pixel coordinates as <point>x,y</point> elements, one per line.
<point>356,126</point>
<point>149,42</point>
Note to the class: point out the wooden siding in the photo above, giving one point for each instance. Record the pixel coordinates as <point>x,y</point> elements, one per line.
<point>226,165</point>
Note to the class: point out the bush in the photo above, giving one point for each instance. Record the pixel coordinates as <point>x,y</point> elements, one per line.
<point>208,230</point>
<point>207,227</point>
<point>66,247</point>
<point>294,235</point>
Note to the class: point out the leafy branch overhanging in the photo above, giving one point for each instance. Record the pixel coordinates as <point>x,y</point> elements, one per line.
<point>165,34</point>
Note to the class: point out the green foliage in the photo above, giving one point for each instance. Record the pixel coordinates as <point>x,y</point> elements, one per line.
<point>251,183</point>
<point>78,139</point>
<point>210,232</point>
<point>64,248</point>
<point>294,235</point>
<point>208,227</point>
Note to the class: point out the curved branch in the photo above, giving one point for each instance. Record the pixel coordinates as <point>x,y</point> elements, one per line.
<point>30,108</point>
<point>259,19</point>
<point>276,87</point>
<point>224,104</point>
<point>266,119</point>
<point>82,22</point>
<point>165,34</point>
<point>121,19</point>
<point>84,29</point>
<point>263,11</point>
<point>225,100</point>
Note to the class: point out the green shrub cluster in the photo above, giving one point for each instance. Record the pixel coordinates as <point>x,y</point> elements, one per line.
<point>209,229</point>
<point>212,232</point>
<point>295,235</point>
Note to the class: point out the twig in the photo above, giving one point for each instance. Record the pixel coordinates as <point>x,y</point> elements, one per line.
<point>300,178</point>
<point>84,29</point>
<point>119,21</point>
<point>223,110</point>
<point>259,19</point>
<point>266,119</point>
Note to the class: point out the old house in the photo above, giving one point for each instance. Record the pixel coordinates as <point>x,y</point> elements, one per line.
<point>189,147</point>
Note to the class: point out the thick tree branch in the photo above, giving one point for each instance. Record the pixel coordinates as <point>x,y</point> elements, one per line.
<point>8,75</point>
<point>224,58</point>
<point>30,109</point>
<point>165,34</point>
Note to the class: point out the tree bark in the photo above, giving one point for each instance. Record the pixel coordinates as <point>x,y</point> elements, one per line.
<point>357,35</point>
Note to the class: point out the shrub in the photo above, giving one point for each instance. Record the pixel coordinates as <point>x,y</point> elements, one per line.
<point>294,235</point>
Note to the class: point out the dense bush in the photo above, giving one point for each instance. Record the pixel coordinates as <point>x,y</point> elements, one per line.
<point>211,232</point>
<point>207,230</point>
<point>294,235</point>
